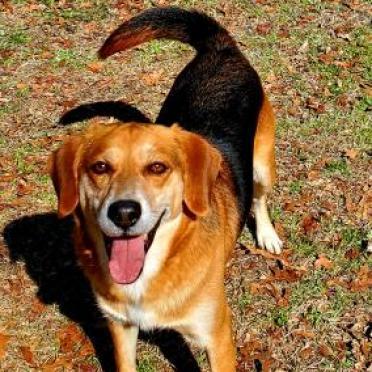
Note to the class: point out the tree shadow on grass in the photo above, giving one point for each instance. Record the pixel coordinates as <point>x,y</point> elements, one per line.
<point>43,242</point>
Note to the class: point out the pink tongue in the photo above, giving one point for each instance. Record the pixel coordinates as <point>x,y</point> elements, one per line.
<point>127,259</point>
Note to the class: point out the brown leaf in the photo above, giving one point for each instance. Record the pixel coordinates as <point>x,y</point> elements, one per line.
<point>27,354</point>
<point>37,308</point>
<point>338,282</point>
<point>23,187</point>
<point>152,78</point>
<point>313,174</point>
<point>95,67</point>
<point>287,275</point>
<point>4,339</point>
<point>366,347</point>
<point>306,352</point>
<point>303,333</point>
<point>69,337</point>
<point>351,153</point>
<point>266,254</point>
<point>263,28</point>
<point>351,254</point>
<point>86,348</point>
<point>279,228</point>
<point>67,104</point>
<point>323,262</point>
<point>61,362</point>
<point>325,350</point>
<point>309,224</point>
<point>363,281</point>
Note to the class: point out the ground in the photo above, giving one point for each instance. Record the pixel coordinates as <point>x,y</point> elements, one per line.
<point>308,309</point>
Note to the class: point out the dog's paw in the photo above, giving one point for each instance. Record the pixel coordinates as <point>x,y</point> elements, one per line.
<point>268,239</point>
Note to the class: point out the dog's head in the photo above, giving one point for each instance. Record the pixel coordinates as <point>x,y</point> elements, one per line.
<point>130,179</point>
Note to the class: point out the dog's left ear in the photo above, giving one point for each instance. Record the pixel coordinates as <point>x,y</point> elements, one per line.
<point>201,166</point>
<point>63,169</point>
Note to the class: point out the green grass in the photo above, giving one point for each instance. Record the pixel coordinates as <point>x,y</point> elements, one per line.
<point>12,39</point>
<point>146,365</point>
<point>67,57</point>
<point>310,287</point>
<point>171,49</point>
<point>76,12</point>
<point>338,166</point>
<point>244,299</point>
<point>280,316</point>
<point>295,187</point>
<point>20,154</point>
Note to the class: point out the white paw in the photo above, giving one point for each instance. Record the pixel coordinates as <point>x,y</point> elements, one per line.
<point>268,239</point>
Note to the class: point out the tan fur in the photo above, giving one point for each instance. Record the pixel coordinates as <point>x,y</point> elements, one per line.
<point>182,286</point>
<point>264,174</point>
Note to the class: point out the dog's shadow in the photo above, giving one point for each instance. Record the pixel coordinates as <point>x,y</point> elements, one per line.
<point>43,243</point>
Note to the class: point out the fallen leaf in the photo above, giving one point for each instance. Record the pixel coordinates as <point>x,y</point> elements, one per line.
<point>303,333</point>
<point>324,350</point>
<point>351,254</point>
<point>37,308</point>
<point>152,78</point>
<point>323,262</point>
<point>95,66</point>
<point>289,275</point>
<point>313,174</point>
<point>304,47</point>
<point>315,105</point>
<point>366,347</point>
<point>309,224</point>
<point>306,352</point>
<point>263,28</point>
<point>69,337</point>
<point>27,354</point>
<point>363,281</point>
<point>61,362</point>
<point>351,153</point>
<point>86,348</point>
<point>4,339</point>
<point>272,256</point>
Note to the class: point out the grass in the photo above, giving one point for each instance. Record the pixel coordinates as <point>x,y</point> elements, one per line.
<point>314,51</point>
<point>146,365</point>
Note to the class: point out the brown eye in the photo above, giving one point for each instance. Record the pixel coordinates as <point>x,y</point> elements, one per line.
<point>100,167</point>
<point>157,168</point>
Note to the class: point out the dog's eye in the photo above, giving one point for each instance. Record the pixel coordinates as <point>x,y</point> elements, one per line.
<point>100,167</point>
<point>157,168</point>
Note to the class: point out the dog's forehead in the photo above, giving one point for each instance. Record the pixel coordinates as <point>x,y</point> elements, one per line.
<point>130,138</point>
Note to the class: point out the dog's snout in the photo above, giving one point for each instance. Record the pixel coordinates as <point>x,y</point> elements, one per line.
<point>124,213</point>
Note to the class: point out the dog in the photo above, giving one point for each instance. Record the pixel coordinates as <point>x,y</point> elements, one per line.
<point>158,208</point>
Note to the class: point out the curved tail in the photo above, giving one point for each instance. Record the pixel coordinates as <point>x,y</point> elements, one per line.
<point>190,27</point>
<point>119,110</point>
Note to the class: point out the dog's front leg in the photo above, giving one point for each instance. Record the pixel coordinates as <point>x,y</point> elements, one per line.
<point>124,337</point>
<point>220,349</point>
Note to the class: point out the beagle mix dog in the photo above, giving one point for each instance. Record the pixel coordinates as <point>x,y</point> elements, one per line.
<point>158,208</point>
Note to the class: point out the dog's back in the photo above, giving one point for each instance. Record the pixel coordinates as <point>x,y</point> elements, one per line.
<point>217,95</point>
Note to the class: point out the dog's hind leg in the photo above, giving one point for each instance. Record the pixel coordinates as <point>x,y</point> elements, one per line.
<point>264,177</point>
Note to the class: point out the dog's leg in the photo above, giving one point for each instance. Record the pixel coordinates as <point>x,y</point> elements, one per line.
<point>124,338</point>
<point>221,350</point>
<point>264,178</point>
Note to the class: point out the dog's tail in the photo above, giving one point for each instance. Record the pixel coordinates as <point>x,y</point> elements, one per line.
<point>190,27</point>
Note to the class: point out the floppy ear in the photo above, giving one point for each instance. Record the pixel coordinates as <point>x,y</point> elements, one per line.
<point>201,165</point>
<point>63,169</point>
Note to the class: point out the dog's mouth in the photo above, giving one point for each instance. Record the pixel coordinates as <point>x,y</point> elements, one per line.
<point>127,254</point>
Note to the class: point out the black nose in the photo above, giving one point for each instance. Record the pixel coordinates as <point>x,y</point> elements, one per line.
<point>124,213</point>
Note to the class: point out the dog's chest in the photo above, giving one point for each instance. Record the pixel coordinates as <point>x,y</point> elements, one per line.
<point>133,313</point>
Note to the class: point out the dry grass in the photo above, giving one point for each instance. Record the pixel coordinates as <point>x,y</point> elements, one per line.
<point>314,59</point>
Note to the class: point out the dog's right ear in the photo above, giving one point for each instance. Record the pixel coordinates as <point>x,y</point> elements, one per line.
<point>63,169</point>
